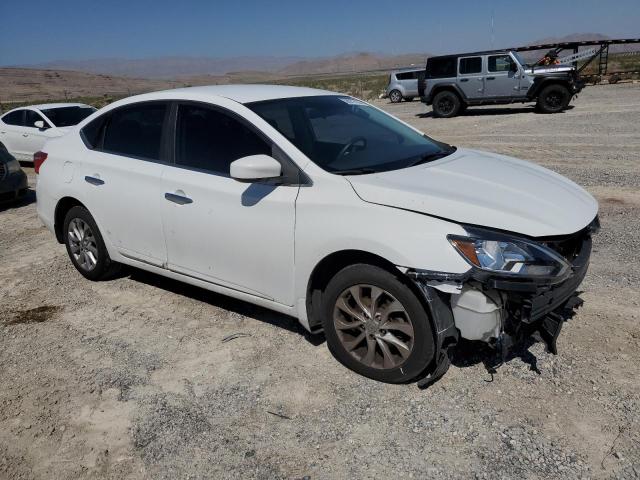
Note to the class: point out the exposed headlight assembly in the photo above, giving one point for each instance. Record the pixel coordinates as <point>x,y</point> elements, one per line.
<point>510,256</point>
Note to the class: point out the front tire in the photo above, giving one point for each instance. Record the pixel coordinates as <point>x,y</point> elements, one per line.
<point>395,96</point>
<point>85,245</point>
<point>375,324</point>
<point>446,104</point>
<point>553,99</point>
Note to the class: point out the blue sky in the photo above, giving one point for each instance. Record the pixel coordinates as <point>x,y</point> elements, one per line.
<point>35,31</point>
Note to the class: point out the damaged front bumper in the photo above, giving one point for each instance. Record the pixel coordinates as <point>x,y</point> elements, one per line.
<point>499,310</point>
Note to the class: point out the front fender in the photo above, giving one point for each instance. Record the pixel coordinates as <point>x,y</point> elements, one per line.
<point>330,218</point>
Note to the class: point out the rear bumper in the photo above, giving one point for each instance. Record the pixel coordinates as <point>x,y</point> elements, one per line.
<point>14,186</point>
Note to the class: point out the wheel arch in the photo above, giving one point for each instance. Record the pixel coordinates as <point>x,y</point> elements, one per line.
<point>328,267</point>
<point>541,83</point>
<point>451,87</point>
<point>62,207</point>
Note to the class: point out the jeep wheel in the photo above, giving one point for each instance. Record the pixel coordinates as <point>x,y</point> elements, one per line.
<point>553,99</point>
<point>446,104</point>
<point>395,96</point>
<point>375,324</point>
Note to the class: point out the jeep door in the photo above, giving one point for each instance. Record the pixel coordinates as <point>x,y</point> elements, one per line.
<point>503,77</point>
<point>470,77</point>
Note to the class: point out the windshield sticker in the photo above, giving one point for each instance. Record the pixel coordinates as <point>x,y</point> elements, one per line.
<point>352,101</point>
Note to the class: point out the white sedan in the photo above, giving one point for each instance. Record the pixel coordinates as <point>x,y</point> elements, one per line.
<point>323,207</point>
<point>23,131</point>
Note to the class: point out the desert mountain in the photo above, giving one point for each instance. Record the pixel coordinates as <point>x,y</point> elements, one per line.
<point>181,67</point>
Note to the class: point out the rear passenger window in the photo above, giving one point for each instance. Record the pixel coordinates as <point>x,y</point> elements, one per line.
<point>470,65</point>
<point>208,139</point>
<point>136,131</point>
<point>406,75</point>
<point>441,67</point>
<point>14,118</point>
<point>92,132</point>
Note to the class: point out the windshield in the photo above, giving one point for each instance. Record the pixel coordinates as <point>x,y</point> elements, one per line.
<point>67,116</point>
<point>520,59</point>
<point>346,136</point>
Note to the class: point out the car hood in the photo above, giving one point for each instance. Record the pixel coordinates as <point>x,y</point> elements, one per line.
<point>484,189</point>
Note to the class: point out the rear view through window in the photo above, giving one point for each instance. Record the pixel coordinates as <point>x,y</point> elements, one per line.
<point>67,116</point>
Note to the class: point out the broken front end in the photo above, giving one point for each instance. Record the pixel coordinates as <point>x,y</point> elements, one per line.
<point>517,287</point>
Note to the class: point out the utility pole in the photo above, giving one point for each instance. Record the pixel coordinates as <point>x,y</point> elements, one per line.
<point>493,36</point>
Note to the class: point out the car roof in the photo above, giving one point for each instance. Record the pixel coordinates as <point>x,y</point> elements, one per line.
<point>470,54</point>
<point>241,93</point>
<point>44,106</point>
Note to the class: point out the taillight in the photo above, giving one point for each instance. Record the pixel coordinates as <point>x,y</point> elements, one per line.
<point>38,160</point>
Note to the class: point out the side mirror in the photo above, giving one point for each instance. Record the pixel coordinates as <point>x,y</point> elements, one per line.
<point>39,124</point>
<point>255,168</point>
<point>514,67</point>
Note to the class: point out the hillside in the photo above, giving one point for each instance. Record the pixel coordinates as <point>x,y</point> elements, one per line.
<point>22,84</point>
<point>170,66</point>
<point>188,67</point>
<point>358,62</point>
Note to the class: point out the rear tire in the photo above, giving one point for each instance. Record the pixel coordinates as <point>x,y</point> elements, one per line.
<point>395,96</point>
<point>392,342</point>
<point>446,104</point>
<point>85,245</point>
<point>553,99</point>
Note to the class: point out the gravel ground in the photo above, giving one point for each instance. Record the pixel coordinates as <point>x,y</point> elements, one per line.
<point>130,379</point>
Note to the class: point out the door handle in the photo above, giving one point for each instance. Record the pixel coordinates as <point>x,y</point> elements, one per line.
<point>176,198</point>
<point>491,78</point>
<point>93,180</point>
<point>464,80</point>
<point>25,134</point>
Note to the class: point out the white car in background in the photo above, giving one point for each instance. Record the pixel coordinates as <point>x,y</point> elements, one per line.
<point>24,130</point>
<point>323,207</point>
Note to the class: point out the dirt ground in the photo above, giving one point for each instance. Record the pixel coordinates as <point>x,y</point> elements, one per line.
<point>130,378</point>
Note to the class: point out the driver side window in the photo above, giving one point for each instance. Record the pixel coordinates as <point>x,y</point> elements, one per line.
<point>32,117</point>
<point>501,63</point>
<point>210,140</point>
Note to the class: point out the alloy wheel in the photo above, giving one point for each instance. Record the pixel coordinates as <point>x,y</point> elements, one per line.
<point>373,326</point>
<point>395,96</point>
<point>82,244</point>
<point>554,100</point>
<point>445,106</point>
